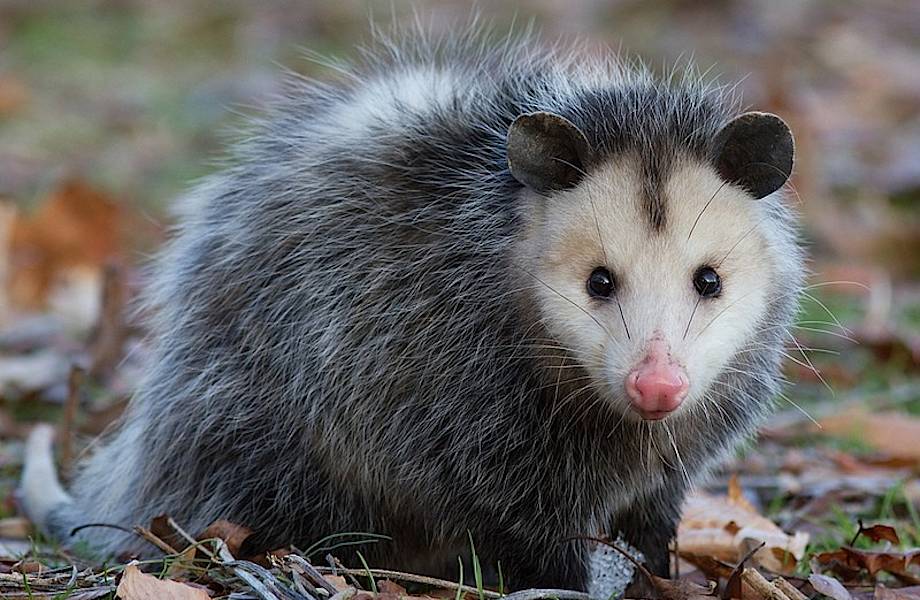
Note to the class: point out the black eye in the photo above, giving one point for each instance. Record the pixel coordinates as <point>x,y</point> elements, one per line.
<point>707,282</point>
<point>600,283</point>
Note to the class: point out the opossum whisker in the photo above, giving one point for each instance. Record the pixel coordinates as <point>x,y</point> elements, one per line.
<point>720,313</point>
<point>811,365</point>
<point>826,309</point>
<point>753,228</point>
<point>823,284</point>
<point>618,423</point>
<point>680,461</point>
<point>825,332</point>
<point>807,415</point>
<point>572,302</point>
<point>692,313</point>
<point>586,409</point>
<point>705,206</point>
<point>600,239</point>
<point>787,183</point>
<point>572,395</point>
<point>708,398</point>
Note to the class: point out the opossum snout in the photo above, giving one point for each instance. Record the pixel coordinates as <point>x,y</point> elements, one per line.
<point>658,384</point>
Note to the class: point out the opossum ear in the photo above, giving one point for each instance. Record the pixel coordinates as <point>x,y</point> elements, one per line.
<point>547,152</point>
<point>755,151</point>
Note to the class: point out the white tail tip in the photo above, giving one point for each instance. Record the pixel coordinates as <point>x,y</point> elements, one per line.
<point>40,489</point>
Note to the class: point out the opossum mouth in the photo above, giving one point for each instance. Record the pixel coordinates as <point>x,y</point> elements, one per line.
<point>652,415</point>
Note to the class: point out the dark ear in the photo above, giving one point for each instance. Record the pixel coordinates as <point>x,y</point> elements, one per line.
<point>547,152</point>
<point>755,151</point>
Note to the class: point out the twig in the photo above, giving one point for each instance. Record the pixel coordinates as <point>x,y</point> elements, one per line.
<point>858,532</point>
<point>399,576</point>
<point>311,572</point>
<point>792,592</point>
<point>737,573</point>
<point>74,381</point>
<point>336,567</point>
<point>763,588</point>
<point>224,556</point>
<point>155,540</point>
<point>111,331</point>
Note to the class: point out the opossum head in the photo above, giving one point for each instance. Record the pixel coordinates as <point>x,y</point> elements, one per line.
<point>654,274</point>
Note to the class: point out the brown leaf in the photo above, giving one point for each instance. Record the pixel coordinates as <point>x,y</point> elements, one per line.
<point>881,532</point>
<point>895,434</point>
<point>391,587</point>
<point>853,559</point>
<point>233,535</point>
<point>28,566</point>
<point>712,567</point>
<point>15,527</point>
<point>13,95</point>
<point>136,585</point>
<point>75,231</point>
<point>726,528</point>
<point>682,589</point>
<point>160,527</point>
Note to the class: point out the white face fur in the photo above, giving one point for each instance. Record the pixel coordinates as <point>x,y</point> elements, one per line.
<point>602,222</point>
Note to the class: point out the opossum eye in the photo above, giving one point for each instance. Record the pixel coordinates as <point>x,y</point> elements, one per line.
<point>707,282</point>
<point>600,283</point>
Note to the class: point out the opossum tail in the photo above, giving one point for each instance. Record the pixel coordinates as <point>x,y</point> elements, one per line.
<point>41,494</point>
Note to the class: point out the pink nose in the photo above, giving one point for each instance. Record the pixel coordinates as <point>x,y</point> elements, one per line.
<point>658,385</point>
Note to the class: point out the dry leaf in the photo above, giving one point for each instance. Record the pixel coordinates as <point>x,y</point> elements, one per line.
<point>895,434</point>
<point>682,589</point>
<point>880,532</point>
<point>233,535</point>
<point>726,528</point>
<point>848,561</point>
<point>136,585</point>
<point>829,586</point>
<point>15,527</point>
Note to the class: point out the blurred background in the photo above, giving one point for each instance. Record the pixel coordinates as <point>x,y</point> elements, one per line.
<point>109,109</point>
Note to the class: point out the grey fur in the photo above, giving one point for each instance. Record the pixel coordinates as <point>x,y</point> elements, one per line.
<point>342,342</point>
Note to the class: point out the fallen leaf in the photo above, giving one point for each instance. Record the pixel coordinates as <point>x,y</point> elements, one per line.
<point>880,532</point>
<point>391,587</point>
<point>28,566</point>
<point>136,585</point>
<point>683,589</point>
<point>847,560</point>
<point>726,528</point>
<point>13,95</point>
<point>233,535</point>
<point>829,586</point>
<point>15,527</point>
<point>895,434</point>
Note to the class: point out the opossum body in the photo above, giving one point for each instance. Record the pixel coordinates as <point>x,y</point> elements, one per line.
<point>468,290</point>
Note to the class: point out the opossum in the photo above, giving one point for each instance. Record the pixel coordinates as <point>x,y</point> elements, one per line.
<point>471,290</point>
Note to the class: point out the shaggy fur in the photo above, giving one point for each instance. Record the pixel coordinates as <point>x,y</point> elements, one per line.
<point>355,328</point>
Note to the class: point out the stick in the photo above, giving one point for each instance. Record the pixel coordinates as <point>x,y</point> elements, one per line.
<point>384,573</point>
<point>763,588</point>
<point>792,592</point>
<point>74,381</point>
<point>224,556</point>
